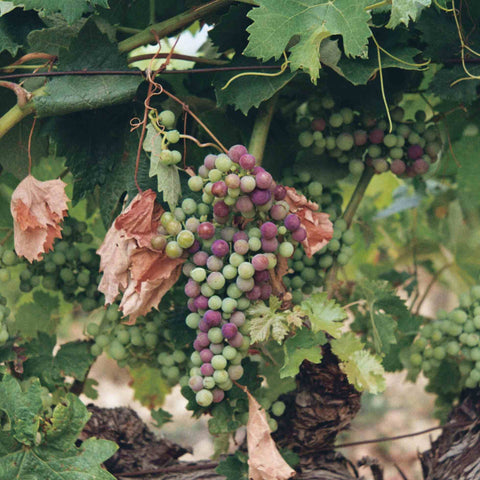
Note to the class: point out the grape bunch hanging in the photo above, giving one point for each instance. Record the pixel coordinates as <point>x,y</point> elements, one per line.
<point>361,139</point>
<point>229,260</point>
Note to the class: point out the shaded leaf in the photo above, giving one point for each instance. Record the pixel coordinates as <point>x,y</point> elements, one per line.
<point>405,10</point>
<point>161,417</point>
<point>150,389</point>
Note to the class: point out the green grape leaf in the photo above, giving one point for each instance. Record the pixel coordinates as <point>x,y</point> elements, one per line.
<point>168,182</point>
<point>90,50</point>
<point>74,359</point>
<point>54,39</point>
<point>36,316</point>
<point>275,22</point>
<point>67,422</point>
<point>344,346</point>
<point>234,467</point>
<point>22,409</point>
<point>230,31</point>
<point>150,389</point>
<point>359,72</point>
<point>304,345</point>
<point>405,10</point>
<point>462,92</point>
<point>70,9</point>
<point>14,27</point>
<point>248,91</point>
<point>222,420</point>
<point>267,322</point>
<point>364,371</point>
<point>89,388</point>
<point>324,314</point>
<point>161,417</point>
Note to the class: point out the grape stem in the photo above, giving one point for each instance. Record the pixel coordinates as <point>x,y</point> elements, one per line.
<point>348,215</point>
<point>261,128</point>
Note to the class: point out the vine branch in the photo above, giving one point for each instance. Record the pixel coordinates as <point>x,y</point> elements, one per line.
<point>162,29</point>
<point>261,128</point>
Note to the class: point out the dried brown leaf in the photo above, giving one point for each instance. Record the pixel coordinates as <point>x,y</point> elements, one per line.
<point>264,459</point>
<point>37,208</point>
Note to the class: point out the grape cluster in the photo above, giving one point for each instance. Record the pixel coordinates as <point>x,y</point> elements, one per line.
<point>165,122</point>
<point>70,268</point>
<point>229,259</point>
<point>8,259</point>
<point>447,349</point>
<point>148,342</point>
<point>309,273</point>
<point>361,140</point>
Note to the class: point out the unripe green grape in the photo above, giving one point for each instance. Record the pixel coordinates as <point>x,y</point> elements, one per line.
<point>315,189</point>
<point>229,305</point>
<point>9,258</point>
<point>226,386</point>
<point>465,300</point>
<point>436,335</point>
<point>348,237</point>
<point>195,183</point>
<point>308,274</point>
<point>246,270</point>
<point>173,136</point>
<point>175,157</point>
<point>215,302</point>
<point>242,303</point>
<point>278,408</point>
<point>204,397</point>
<point>223,163</point>
<point>215,335</point>
<point>325,261</point>
<point>343,259</point>
<point>472,340</point>
<point>230,353</point>
<point>174,227</point>
<point>198,274</point>
<point>218,361</point>
<point>229,272</point>
<point>167,118</point>
<point>286,249</point>
<point>356,167</point>
<point>116,350</point>
<point>96,350</point>
<point>195,359</point>
<point>458,316</point>
<point>335,120</point>
<point>396,153</point>
<point>220,376</point>
<point>475,354</point>
<point>439,353</point>
<point>254,244</point>
<point>305,139</point>
<point>215,175</point>
<point>189,206</point>
<point>173,373</point>
<point>173,250</point>
<point>469,326</point>
<point>304,175</point>
<point>93,329</point>
<point>236,259</point>
<point>453,348</point>
<point>206,290</point>
<point>151,340</point>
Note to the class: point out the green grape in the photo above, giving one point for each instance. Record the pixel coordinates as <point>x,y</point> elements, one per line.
<point>215,336</point>
<point>215,302</point>
<point>117,350</point>
<point>9,258</point>
<point>195,183</point>
<point>278,408</point>
<point>204,398</point>
<point>167,118</point>
<point>173,249</point>
<point>4,275</point>
<point>286,249</point>
<point>356,167</point>
<point>348,237</point>
<point>305,139</point>
<point>93,329</point>
<point>325,261</point>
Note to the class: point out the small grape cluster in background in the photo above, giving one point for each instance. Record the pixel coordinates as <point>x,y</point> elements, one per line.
<point>70,268</point>
<point>359,140</point>
<point>148,342</point>
<point>307,274</point>
<point>229,260</point>
<point>447,350</point>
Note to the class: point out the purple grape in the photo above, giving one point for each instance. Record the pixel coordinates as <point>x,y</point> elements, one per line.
<point>209,161</point>
<point>254,293</point>
<point>241,247</point>
<point>420,166</point>
<point>244,205</point>
<point>292,222</point>
<point>318,124</point>
<point>260,262</point>
<point>280,192</point>
<point>201,302</point>
<point>232,180</point>
<point>221,220</point>
<point>398,167</point>
<point>247,161</point>
<point>191,305</point>
<point>269,245</point>
<point>269,230</point>
<point>196,383</point>
<point>220,248</point>
<point>238,318</point>
<point>218,395</point>
<point>207,369</point>
<point>278,212</point>
<point>245,284</point>
<point>206,230</point>
<point>258,169</point>
<point>213,318</point>
<point>221,209</point>
<point>240,236</point>
<point>376,136</point>
<point>260,197</point>
<point>214,263</point>
<point>414,152</point>
<point>236,341</point>
<point>299,235</point>
<point>206,355</point>
<point>200,259</point>
<point>263,179</point>
<point>197,346</point>
<point>410,172</point>
<point>192,289</point>
<point>203,171</point>
<point>203,326</point>
<point>236,152</point>
<point>219,189</point>
<point>203,340</point>
<point>195,247</point>
<point>216,348</point>
<point>261,276</point>
<point>266,291</point>
<point>360,138</point>
<point>229,330</point>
